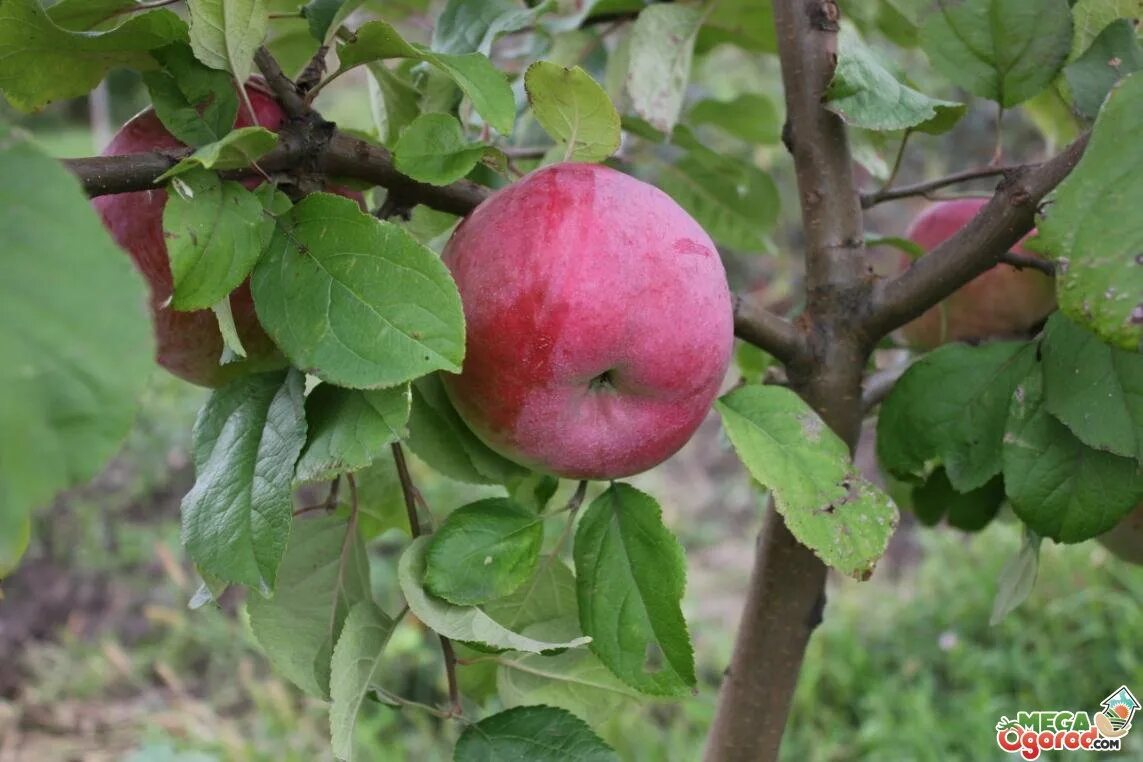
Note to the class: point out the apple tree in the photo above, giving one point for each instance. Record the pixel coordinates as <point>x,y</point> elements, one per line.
<point>294,267</point>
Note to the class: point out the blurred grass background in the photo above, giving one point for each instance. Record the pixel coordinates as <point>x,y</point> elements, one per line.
<point>102,659</point>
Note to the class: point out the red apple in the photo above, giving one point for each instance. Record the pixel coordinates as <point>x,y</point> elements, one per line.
<point>1125,540</point>
<point>599,322</point>
<point>1003,302</point>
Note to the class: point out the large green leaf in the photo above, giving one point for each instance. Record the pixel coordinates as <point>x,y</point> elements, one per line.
<point>394,101</point>
<point>533,733</point>
<point>473,72</point>
<point>74,333</point>
<point>659,69</point>
<point>1091,17</point>
<point>44,62</point>
<point>215,231</point>
<point>350,428</point>
<point>325,16</point>
<point>1114,54</point>
<point>1093,227</point>
<point>82,15</point>
<point>866,95</point>
<point>574,110</point>
<point>323,574</point>
<point>380,500</point>
<point>735,202</point>
<point>749,24</point>
<point>1005,50</point>
<point>951,406</point>
<point>465,26</point>
<point>225,33</point>
<point>195,103</point>
<point>235,150</point>
<point>439,436</point>
<point>356,661</point>
<point>749,116</point>
<point>434,149</point>
<point>483,551</point>
<point>236,518</point>
<point>968,511</point>
<point>630,574</point>
<point>354,300</point>
<point>1056,484</point>
<point>1096,390</point>
<point>824,500</point>
<point>465,623</point>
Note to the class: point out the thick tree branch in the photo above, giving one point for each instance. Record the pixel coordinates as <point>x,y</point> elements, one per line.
<point>869,200</point>
<point>284,90</point>
<point>974,248</point>
<point>786,593</point>
<point>764,329</point>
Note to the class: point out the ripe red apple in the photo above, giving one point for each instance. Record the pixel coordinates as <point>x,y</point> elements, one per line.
<point>1125,540</point>
<point>1003,302</point>
<point>599,322</point>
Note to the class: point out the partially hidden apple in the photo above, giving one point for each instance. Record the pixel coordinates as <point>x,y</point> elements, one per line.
<point>599,322</point>
<point>190,344</point>
<point>1125,540</point>
<point>1003,302</point>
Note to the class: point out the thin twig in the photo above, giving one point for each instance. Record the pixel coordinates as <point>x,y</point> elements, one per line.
<point>455,707</point>
<point>407,488</point>
<point>897,162</point>
<point>328,505</point>
<point>415,704</point>
<point>571,508</point>
<point>869,200</point>
<point>1027,261</point>
<point>878,385</point>
<point>284,89</point>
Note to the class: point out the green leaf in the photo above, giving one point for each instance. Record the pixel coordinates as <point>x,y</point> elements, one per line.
<point>548,596</point>
<point>473,72</point>
<point>1093,228</point>
<point>662,46</point>
<point>356,301</point>
<point>433,149</point>
<point>866,95</point>
<point>630,574</point>
<point>236,150</point>
<point>1094,389</point>
<point>440,438</point>
<point>1113,55</point>
<point>394,102</point>
<point>1004,50</point>
<point>1017,578</point>
<point>484,550</point>
<point>534,733</point>
<point>968,511</point>
<point>350,428</point>
<point>951,406</point>
<point>749,24</point>
<point>82,15</point>
<point>75,335</point>
<point>1057,485</point>
<point>324,573</point>
<point>575,680</point>
<point>15,533</point>
<point>225,33</point>
<point>732,199</point>
<point>195,103</point>
<point>325,16</point>
<point>750,117</point>
<point>236,518</point>
<point>44,63</point>
<point>465,26</point>
<point>574,110</point>
<point>356,660</point>
<point>1090,17</point>
<point>827,505</point>
<point>215,231</point>
<point>465,623</point>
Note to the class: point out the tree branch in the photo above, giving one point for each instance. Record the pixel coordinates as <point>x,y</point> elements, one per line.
<point>766,330</point>
<point>280,85</point>
<point>869,200</point>
<point>1028,262</point>
<point>786,593</point>
<point>975,248</point>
